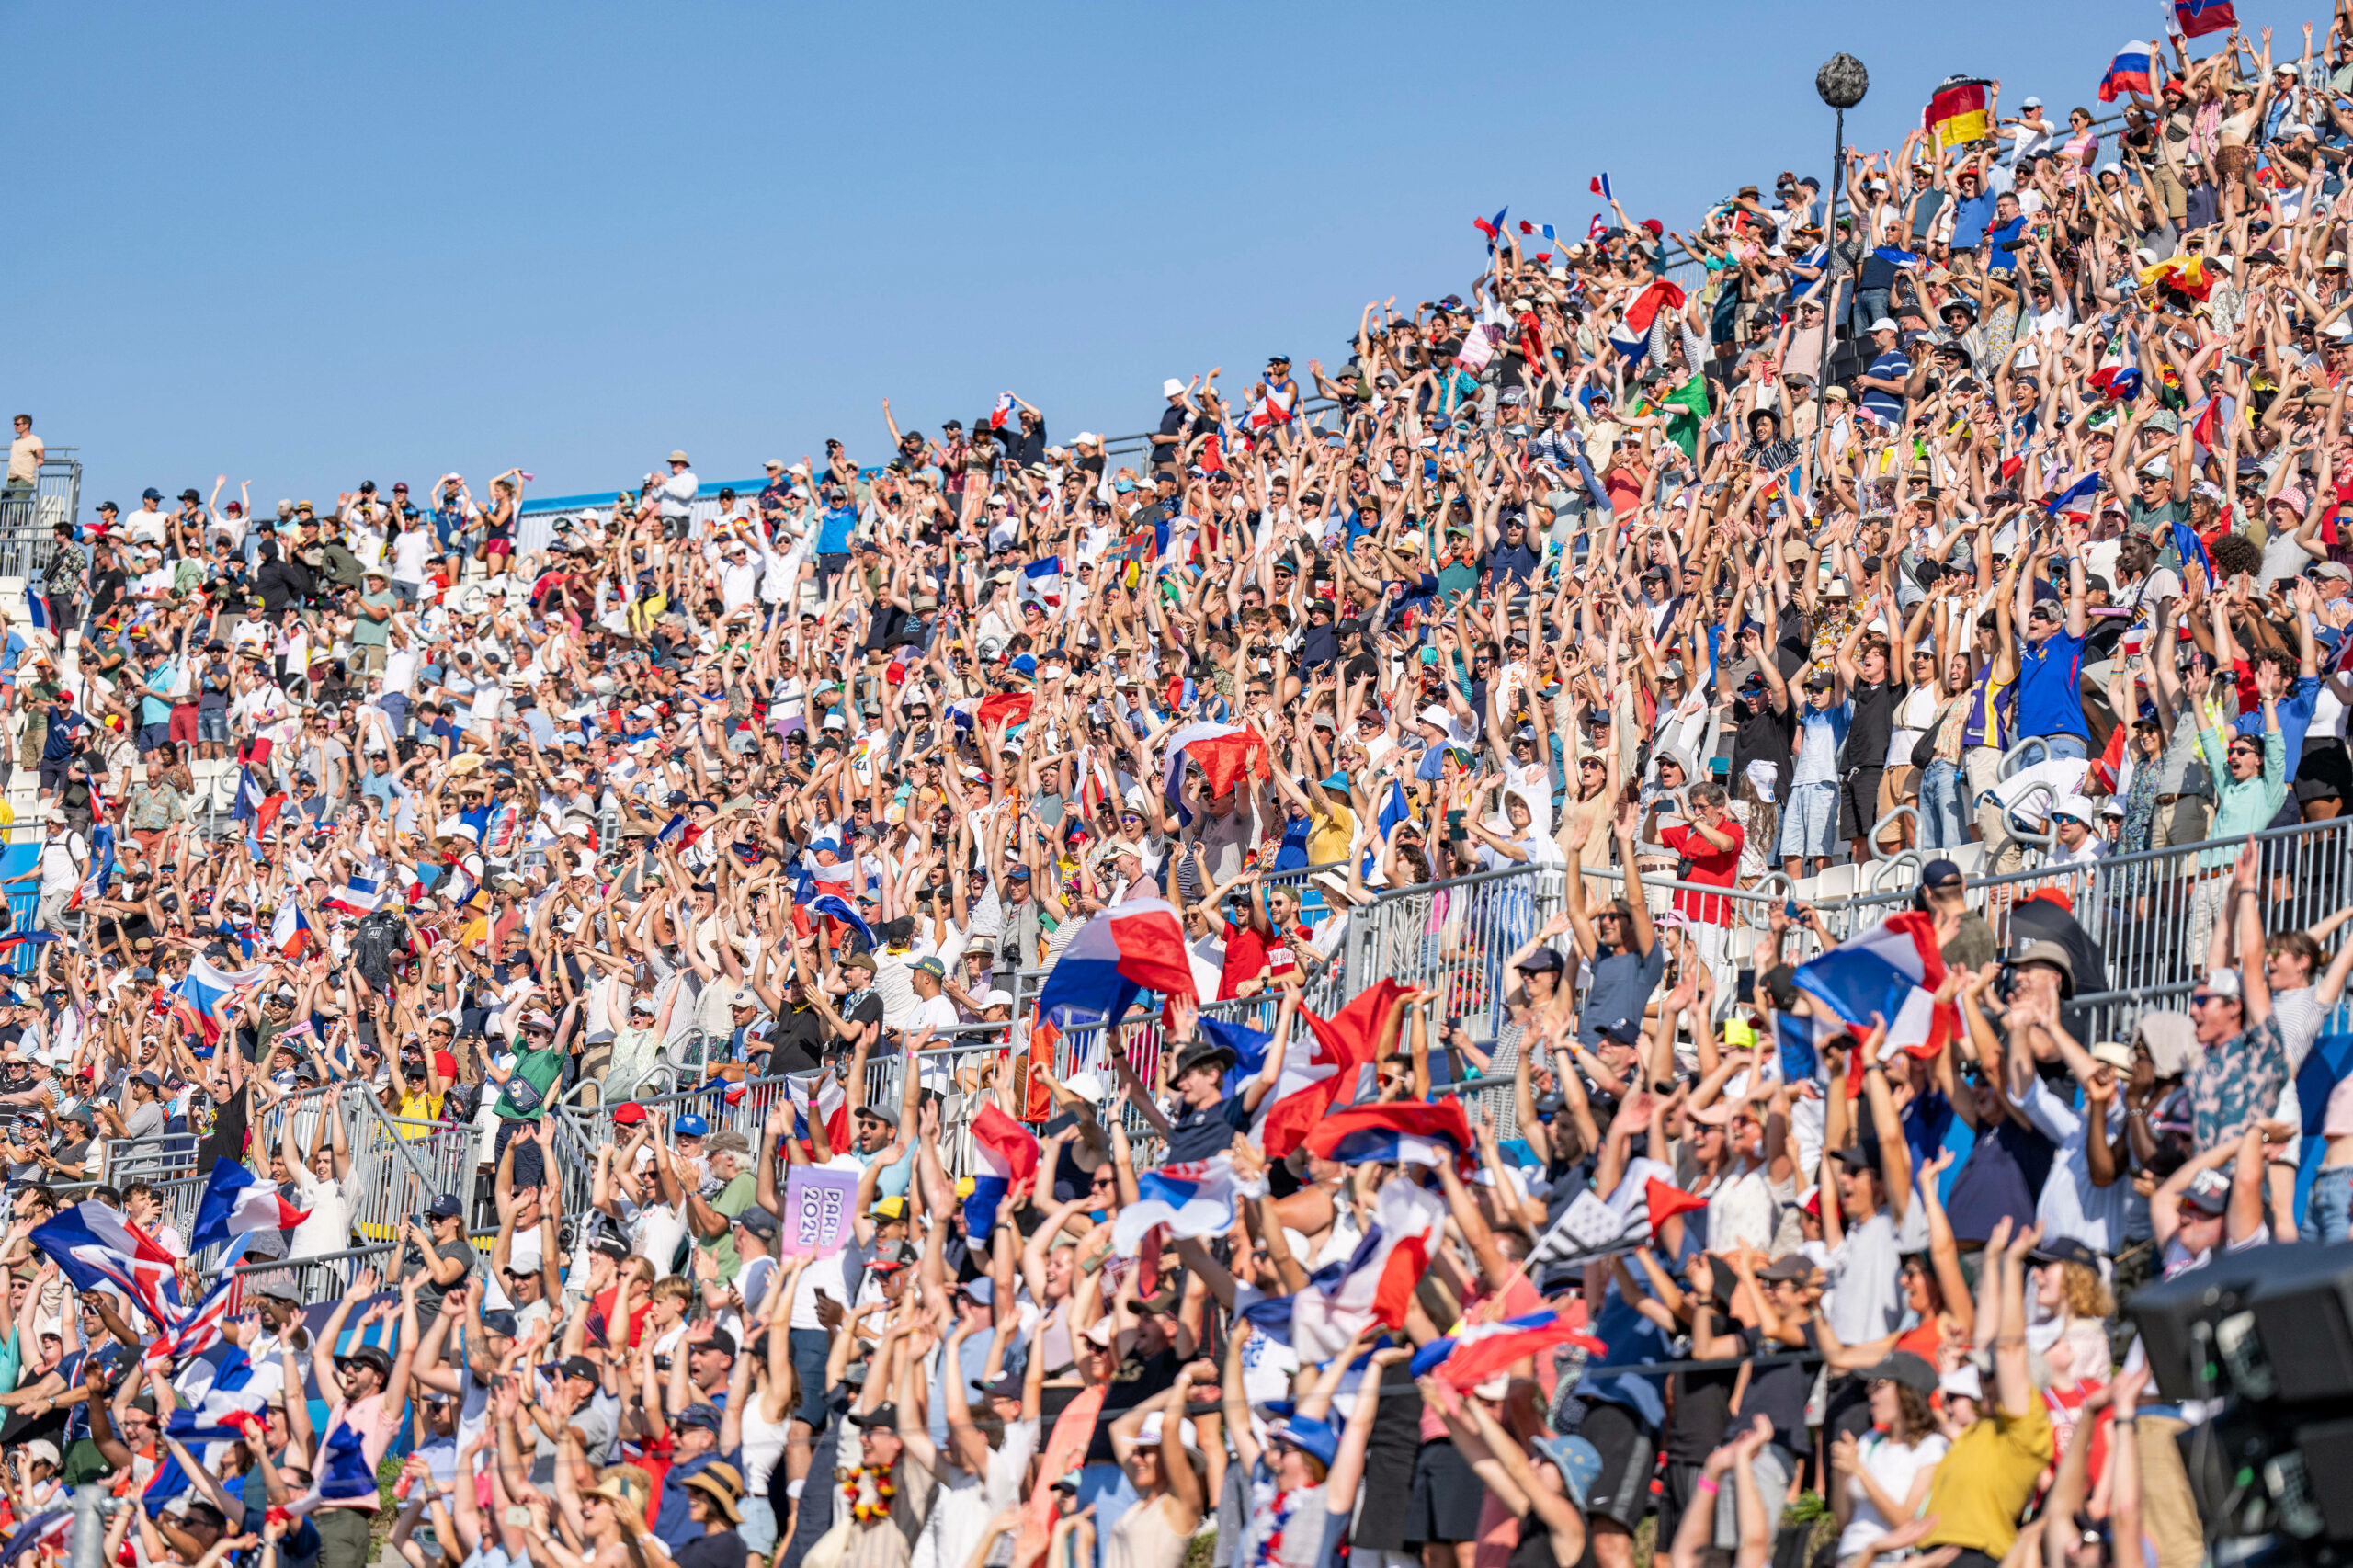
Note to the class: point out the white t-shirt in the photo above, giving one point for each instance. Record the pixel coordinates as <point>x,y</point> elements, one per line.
<point>1895,1467</point>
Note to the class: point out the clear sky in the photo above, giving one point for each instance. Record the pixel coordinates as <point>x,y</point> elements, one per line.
<point>310,244</point>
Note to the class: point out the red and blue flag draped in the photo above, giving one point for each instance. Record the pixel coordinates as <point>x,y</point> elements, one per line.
<point>1135,948</point>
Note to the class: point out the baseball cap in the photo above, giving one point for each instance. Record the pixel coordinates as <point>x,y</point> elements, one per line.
<point>2209,1192</point>
<point>690,1126</point>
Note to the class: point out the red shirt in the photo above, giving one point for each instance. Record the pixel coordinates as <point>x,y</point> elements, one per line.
<point>1246,959</point>
<point>1714,867</point>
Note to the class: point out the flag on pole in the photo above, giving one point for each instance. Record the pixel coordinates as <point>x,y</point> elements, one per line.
<point>1600,185</point>
<point>2128,73</point>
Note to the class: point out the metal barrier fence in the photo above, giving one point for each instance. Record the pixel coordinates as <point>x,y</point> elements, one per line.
<point>323,1277</point>
<point>29,518</point>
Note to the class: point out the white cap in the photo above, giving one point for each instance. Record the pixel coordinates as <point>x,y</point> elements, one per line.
<point>1172,387</point>
<point>1085,1085</point>
<point>1884,324</point>
<point>1149,1434</point>
<point>2030,103</point>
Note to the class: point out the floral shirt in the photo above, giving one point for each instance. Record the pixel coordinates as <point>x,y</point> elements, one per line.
<point>2237,1081</point>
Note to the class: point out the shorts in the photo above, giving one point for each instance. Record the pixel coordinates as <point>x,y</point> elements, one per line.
<point>1447,1494</point>
<point>183,722</point>
<point>758,1529</point>
<point>1859,801</point>
<point>1627,1446</point>
<point>152,735</point>
<point>1808,821</point>
<point>213,726</point>
<point>367,658</point>
<point>497,544</point>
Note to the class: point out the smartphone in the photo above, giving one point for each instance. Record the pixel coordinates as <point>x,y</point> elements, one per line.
<point>1789,909</point>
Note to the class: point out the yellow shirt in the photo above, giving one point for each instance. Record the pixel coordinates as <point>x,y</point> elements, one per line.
<point>1328,840</point>
<point>1985,1481</point>
<point>419,1105</point>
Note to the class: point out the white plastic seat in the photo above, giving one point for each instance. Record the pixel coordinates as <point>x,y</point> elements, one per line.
<point>1836,882</point>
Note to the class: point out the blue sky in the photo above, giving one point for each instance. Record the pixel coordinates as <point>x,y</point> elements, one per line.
<point>308,246</point>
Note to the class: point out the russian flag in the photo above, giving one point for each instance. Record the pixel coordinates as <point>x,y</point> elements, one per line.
<point>1600,185</point>
<point>291,932</point>
<point>235,1203</point>
<point>1393,1132</point>
<point>1002,414</point>
<point>832,1109</point>
<point>1375,1284</point>
<point>2196,19</point>
<point>1328,1070</point>
<point>207,983</point>
<point>359,895</point>
<point>1194,1198</point>
<point>1004,1155</point>
<point>99,1250</point>
<point>1892,971</point>
<point>2128,73</point>
<point>1137,946</point>
<point>1224,752</point>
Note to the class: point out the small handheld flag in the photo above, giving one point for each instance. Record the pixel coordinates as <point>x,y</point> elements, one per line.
<point>1601,188</point>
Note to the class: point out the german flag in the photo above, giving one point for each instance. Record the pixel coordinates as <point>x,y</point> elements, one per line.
<point>1956,111</point>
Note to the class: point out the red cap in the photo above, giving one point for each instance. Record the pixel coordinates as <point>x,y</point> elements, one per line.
<point>628,1113</point>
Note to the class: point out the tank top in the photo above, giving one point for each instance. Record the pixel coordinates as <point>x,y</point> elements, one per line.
<point>1143,1538</point>
<point>763,1444</point>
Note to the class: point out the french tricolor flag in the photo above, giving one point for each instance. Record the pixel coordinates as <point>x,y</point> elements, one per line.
<point>37,610</point>
<point>832,1109</point>
<point>1601,188</point>
<point>1136,947</point>
<point>1414,1133</point>
<point>1223,751</point>
<point>1325,1067</point>
<point>1484,1349</point>
<point>289,933</point>
<point>1891,972</point>
<point>359,895</point>
<point>2128,73</point>
<point>236,1203</point>
<point>1193,1198</point>
<point>1374,1285</point>
<point>1004,1155</point>
<point>1002,414</point>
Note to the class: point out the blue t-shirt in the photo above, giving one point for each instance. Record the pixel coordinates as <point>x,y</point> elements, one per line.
<point>2295,716</point>
<point>2004,260</point>
<point>1894,366</point>
<point>1824,732</point>
<point>1970,218</point>
<point>834,530</point>
<point>2051,697</point>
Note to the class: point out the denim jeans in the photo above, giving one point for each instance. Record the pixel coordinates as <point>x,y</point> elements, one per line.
<point>2329,1207</point>
<point>2063,745</point>
<point>1944,821</point>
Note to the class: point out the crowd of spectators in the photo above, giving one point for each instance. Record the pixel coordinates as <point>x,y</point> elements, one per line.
<point>1690,557</point>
